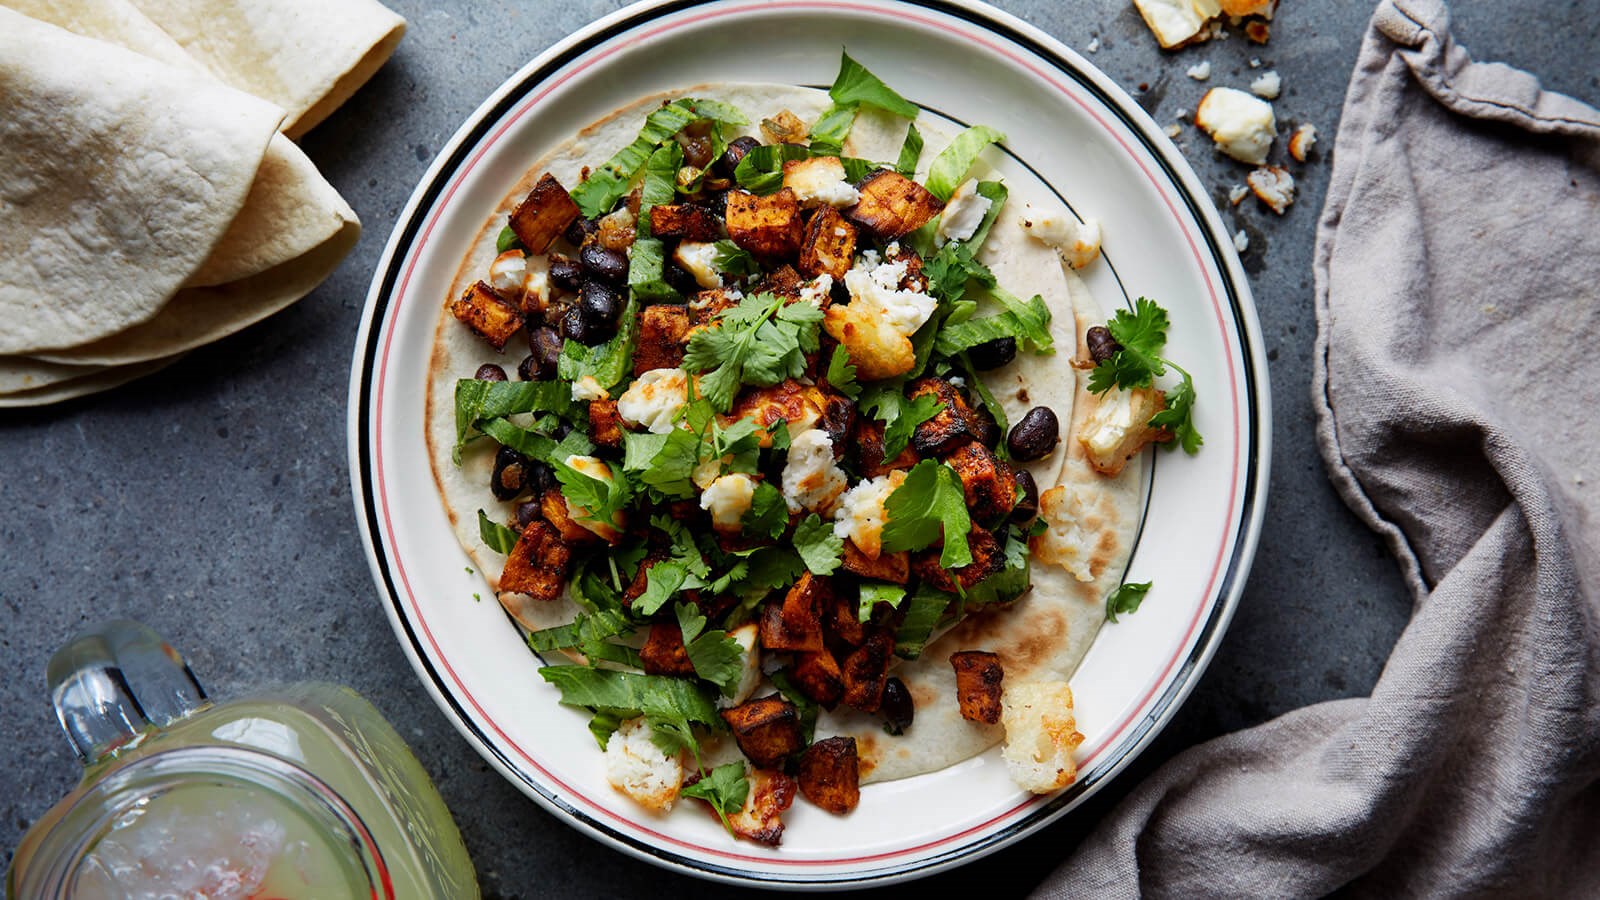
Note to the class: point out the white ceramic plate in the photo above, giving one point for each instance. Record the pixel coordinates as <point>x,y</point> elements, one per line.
<point>1071,132</point>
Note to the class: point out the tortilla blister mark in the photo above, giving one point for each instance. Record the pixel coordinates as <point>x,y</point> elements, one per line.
<point>103,379</point>
<point>107,238</point>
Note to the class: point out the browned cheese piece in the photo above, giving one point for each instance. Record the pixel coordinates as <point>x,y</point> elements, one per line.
<point>867,438</point>
<point>988,558</point>
<point>605,423</point>
<point>553,506</point>
<point>685,221</point>
<point>951,426</point>
<point>1107,443</point>
<point>784,281</point>
<point>800,405</point>
<point>817,675</point>
<point>978,685</point>
<point>830,774</point>
<point>893,205</point>
<point>776,634</point>
<point>663,652</point>
<point>767,729</point>
<point>539,563</point>
<point>876,349</point>
<point>761,819</point>
<point>769,226</point>
<point>895,567</point>
<point>543,215</point>
<point>866,669</point>
<point>829,245</point>
<point>663,335</point>
<point>990,485</point>
<point>487,313</point>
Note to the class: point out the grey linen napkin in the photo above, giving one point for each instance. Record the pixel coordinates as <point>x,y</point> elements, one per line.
<point>1458,308</point>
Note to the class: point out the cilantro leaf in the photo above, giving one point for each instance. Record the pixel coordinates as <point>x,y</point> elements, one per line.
<point>652,695</point>
<point>1125,600</point>
<point>591,499</point>
<point>910,152</point>
<point>732,259</point>
<point>684,548</point>
<point>818,546</point>
<point>1178,417</point>
<point>673,735</point>
<point>495,536</point>
<point>506,240</point>
<point>950,167</point>
<point>855,85</point>
<point>716,657</point>
<point>900,417</point>
<point>662,582</point>
<point>479,400</point>
<point>588,634</point>
<point>663,461</point>
<point>761,341</point>
<point>873,593</point>
<point>929,506</point>
<point>841,374</point>
<point>725,788</point>
<point>1142,332</point>
<point>768,514</point>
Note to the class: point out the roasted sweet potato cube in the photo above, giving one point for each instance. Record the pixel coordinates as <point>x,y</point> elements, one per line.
<point>950,427</point>
<point>663,334</point>
<point>978,685</point>
<point>817,675</point>
<point>867,438</point>
<point>663,652</point>
<point>783,281</point>
<point>802,605</point>
<point>543,215</point>
<point>988,557</point>
<point>768,226</point>
<point>487,313</point>
<point>838,417</point>
<point>554,508</point>
<point>776,635</point>
<point>706,305</point>
<point>829,244</point>
<point>866,669</point>
<point>895,567</point>
<point>990,484</point>
<point>641,576</point>
<point>605,423</point>
<point>767,729</point>
<point>842,619</point>
<point>539,563</point>
<point>830,776</point>
<point>688,221</point>
<point>771,792</point>
<point>893,205</point>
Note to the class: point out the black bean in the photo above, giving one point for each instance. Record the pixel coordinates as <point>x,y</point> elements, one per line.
<point>679,278</point>
<point>737,148</point>
<point>580,229</point>
<point>898,710</point>
<point>993,354</point>
<point>1027,508</point>
<point>1102,346</point>
<point>1036,435</point>
<point>575,326</point>
<point>490,372</point>
<point>562,430</point>
<point>607,265</point>
<point>540,476</point>
<point>984,427</point>
<point>510,469</point>
<point>545,344</point>
<point>528,369</point>
<point>565,273</point>
<point>528,512</point>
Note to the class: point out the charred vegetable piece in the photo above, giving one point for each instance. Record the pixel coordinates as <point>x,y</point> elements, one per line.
<point>777,635</point>
<point>784,281</point>
<point>768,226</point>
<point>950,427</point>
<point>829,774</point>
<point>978,685</point>
<point>688,221</point>
<point>706,305</point>
<point>989,484</point>
<point>841,619</point>
<point>988,558</point>
<point>771,792</point>
<point>663,334</point>
<point>817,675</point>
<point>605,423</point>
<point>838,417</point>
<point>891,567</point>
<point>867,438</point>
<point>554,507</point>
<point>543,215</point>
<point>539,563</point>
<point>865,670</point>
<point>767,729</point>
<point>663,652</point>
<point>486,313</point>
<point>893,205</point>
<point>802,605</point>
<point>829,244</point>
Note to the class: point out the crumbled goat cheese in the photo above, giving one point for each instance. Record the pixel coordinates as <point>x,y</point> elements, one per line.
<point>811,478</point>
<point>637,767</point>
<point>507,273</point>
<point>727,499</point>
<point>1094,45</point>
<point>750,661</point>
<point>877,285</point>
<point>1065,541</point>
<point>816,291</point>
<point>1241,125</point>
<point>1041,735</point>
<point>1301,141</point>
<point>1236,193</point>
<point>860,515</point>
<point>1078,243</point>
<point>820,179</point>
<point>1274,186</point>
<point>1199,71</point>
<point>962,214</point>
<point>1268,85</point>
<point>586,388</point>
<point>699,259</point>
<point>1241,241</point>
<point>654,398</point>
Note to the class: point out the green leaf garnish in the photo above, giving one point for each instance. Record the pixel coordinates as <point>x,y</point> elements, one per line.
<point>873,593</point>
<point>652,695</point>
<point>950,167</point>
<point>910,152</point>
<point>900,417</point>
<point>662,582</point>
<point>831,128</point>
<point>725,788</point>
<point>768,514</point>
<point>1142,332</point>
<point>761,170</point>
<point>841,374</point>
<point>506,240</point>
<point>732,259</point>
<point>761,341</point>
<point>929,506</point>
<point>923,613</point>
<point>819,548</point>
<point>1125,600</point>
<point>598,193</point>
<point>1178,417</point>
<point>495,536</point>
<point>716,657</point>
<point>855,85</point>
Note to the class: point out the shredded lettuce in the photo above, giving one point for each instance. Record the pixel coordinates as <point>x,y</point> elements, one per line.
<point>950,167</point>
<point>495,536</point>
<point>831,129</point>
<point>910,152</point>
<point>761,170</point>
<point>652,695</point>
<point>855,85</point>
<point>923,612</point>
<point>598,193</point>
<point>608,363</point>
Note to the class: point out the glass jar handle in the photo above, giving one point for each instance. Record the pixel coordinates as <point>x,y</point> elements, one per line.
<point>115,681</point>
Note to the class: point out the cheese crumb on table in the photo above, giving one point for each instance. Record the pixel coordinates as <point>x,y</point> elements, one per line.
<point>1199,71</point>
<point>1301,141</point>
<point>1241,125</point>
<point>1241,241</point>
<point>1268,85</point>
<point>1274,186</point>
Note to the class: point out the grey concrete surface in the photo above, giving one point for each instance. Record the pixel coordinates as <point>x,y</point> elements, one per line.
<point>212,500</point>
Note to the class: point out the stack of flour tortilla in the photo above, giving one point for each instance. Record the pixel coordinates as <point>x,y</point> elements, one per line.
<point>152,198</point>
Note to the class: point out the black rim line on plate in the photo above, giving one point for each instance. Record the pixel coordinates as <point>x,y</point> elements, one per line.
<point>927,865</point>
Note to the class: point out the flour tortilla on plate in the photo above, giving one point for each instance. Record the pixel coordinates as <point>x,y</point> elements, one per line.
<point>118,175</point>
<point>307,56</point>
<point>1042,636</point>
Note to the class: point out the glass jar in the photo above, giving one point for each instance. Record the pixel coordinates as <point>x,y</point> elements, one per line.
<point>296,791</point>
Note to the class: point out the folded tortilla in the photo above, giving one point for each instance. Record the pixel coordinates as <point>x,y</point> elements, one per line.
<point>118,177</point>
<point>101,379</point>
